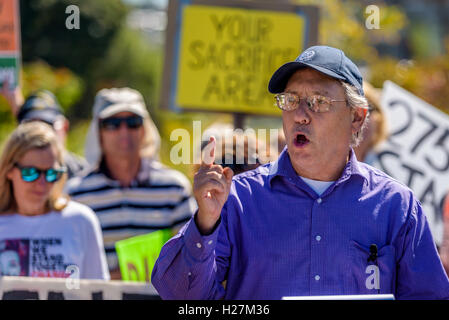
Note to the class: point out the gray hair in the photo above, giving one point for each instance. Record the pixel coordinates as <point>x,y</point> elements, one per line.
<point>354,101</point>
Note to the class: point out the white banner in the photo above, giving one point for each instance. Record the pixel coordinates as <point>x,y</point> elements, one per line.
<point>417,151</point>
<point>31,288</point>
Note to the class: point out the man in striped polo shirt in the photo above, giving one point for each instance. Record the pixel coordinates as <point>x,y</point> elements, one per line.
<point>130,191</point>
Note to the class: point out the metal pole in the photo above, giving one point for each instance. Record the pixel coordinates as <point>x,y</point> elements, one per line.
<point>239,120</point>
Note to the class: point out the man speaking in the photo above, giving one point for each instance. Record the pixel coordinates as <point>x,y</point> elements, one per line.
<point>316,221</point>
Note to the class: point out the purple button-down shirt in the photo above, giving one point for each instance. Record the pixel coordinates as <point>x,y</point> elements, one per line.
<point>278,238</point>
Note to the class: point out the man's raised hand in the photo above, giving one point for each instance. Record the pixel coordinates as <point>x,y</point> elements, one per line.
<point>211,188</point>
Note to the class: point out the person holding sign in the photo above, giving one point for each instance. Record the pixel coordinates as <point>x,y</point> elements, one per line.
<point>235,149</point>
<point>42,232</point>
<point>316,221</point>
<point>43,106</point>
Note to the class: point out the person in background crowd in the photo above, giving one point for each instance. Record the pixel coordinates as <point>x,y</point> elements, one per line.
<point>444,248</point>
<point>376,130</point>
<point>42,232</point>
<point>316,221</point>
<point>13,97</point>
<point>236,149</point>
<point>131,192</point>
<point>281,141</point>
<point>42,105</point>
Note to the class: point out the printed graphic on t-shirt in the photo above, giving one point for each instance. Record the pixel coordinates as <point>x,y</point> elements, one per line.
<point>33,257</point>
<point>14,257</point>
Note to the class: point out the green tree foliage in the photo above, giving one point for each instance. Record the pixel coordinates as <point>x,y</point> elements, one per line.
<point>426,78</point>
<point>342,25</point>
<point>45,36</point>
<point>66,85</point>
<point>131,62</point>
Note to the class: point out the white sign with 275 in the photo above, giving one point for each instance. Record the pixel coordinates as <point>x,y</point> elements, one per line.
<point>417,150</point>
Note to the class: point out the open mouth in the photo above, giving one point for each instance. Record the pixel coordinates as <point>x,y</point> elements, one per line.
<point>301,140</point>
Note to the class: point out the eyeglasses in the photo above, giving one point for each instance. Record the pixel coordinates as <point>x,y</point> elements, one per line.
<point>112,123</point>
<point>30,174</point>
<point>316,103</point>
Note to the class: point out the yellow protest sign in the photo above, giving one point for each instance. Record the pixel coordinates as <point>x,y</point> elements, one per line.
<point>227,56</point>
<point>137,255</point>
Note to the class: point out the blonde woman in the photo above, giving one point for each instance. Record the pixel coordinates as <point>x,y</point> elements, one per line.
<point>42,232</point>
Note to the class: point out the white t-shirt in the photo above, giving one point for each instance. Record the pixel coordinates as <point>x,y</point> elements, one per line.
<point>57,244</point>
<point>318,186</point>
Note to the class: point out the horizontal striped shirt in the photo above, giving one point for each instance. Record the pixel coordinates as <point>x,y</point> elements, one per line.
<point>159,198</point>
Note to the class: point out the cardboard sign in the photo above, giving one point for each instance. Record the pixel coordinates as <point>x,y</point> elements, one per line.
<point>9,42</point>
<point>417,151</point>
<point>225,53</point>
<point>28,288</point>
<point>137,255</point>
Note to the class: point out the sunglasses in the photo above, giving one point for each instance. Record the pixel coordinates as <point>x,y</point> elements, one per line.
<point>30,174</point>
<point>112,123</point>
<point>239,167</point>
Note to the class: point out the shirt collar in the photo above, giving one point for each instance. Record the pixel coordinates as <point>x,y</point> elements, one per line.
<point>283,167</point>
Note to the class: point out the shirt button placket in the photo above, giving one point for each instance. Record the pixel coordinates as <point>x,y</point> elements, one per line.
<point>316,247</point>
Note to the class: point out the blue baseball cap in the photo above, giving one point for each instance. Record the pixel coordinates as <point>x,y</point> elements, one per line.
<point>327,60</point>
<point>42,105</point>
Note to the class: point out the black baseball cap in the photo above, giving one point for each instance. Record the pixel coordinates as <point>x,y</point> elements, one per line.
<point>330,61</point>
<point>41,105</point>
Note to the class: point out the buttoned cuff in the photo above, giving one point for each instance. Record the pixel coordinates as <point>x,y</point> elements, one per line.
<point>199,246</point>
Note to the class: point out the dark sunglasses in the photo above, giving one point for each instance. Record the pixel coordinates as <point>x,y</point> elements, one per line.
<point>30,174</point>
<point>239,167</point>
<point>112,123</point>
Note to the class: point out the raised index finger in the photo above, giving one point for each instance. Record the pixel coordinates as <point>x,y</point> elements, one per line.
<point>208,154</point>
